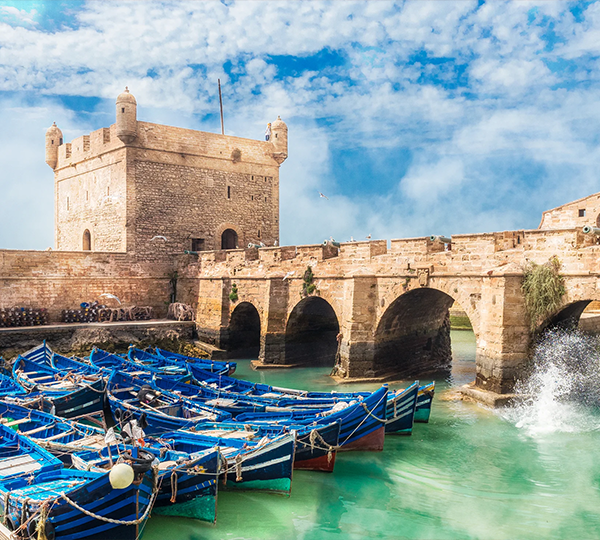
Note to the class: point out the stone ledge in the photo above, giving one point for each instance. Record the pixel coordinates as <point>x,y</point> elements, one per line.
<point>491,399</point>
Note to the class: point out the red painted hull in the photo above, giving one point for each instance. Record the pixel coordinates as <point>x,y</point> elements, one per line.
<point>373,442</point>
<point>320,463</point>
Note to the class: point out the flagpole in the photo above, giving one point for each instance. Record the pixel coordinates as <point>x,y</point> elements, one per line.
<point>221,105</point>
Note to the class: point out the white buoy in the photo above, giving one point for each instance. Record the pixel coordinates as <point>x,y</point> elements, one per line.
<point>121,476</point>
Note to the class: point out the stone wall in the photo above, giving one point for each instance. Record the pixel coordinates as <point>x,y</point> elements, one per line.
<point>575,214</point>
<point>62,280</point>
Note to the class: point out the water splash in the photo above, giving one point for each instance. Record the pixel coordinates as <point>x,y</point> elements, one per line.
<point>563,386</point>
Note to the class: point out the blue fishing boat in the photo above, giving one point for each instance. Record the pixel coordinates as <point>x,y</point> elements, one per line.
<point>362,421</point>
<point>133,398</point>
<point>39,498</point>
<point>156,363</point>
<point>76,366</point>
<point>266,464</point>
<point>56,435</point>
<point>208,397</point>
<point>108,361</point>
<point>187,482</point>
<point>213,366</point>
<point>424,402</point>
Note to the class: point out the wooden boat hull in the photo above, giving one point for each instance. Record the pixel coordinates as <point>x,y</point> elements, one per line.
<point>84,401</point>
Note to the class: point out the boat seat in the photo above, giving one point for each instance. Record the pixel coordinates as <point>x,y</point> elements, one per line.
<point>38,429</point>
<point>59,435</point>
<point>18,465</point>
<point>164,465</point>
<point>11,423</point>
<point>42,378</point>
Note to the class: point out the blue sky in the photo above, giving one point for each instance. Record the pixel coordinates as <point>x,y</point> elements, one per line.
<point>414,118</point>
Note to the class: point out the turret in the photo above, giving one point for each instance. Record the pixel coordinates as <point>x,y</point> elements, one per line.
<point>126,117</point>
<point>54,138</point>
<point>279,138</point>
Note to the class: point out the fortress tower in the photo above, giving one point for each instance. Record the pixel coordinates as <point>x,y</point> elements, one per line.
<point>121,187</point>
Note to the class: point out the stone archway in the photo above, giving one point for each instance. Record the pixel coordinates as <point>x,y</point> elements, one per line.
<point>412,337</point>
<point>243,333</point>
<point>229,239</point>
<point>311,333</point>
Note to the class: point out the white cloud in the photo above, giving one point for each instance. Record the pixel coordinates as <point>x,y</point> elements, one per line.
<point>468,91</point>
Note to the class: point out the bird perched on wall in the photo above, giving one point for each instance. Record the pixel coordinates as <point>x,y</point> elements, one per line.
<point>323,196</point>
<point>288,275</point>
<point>108,295</point>
<point>368,237</point>
<point>158,237</point>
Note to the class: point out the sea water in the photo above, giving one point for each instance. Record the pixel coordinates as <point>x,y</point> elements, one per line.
<point>529,472</point>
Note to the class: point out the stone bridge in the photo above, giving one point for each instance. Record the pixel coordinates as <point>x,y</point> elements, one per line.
<point>387,302</point>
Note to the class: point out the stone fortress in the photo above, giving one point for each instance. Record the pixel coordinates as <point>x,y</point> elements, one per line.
<point>120,187</point>
<point>154,213</point>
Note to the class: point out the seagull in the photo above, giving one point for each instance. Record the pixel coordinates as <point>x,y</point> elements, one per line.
<point>288,275</point>
<point>108,295</point>
<point>368,237</point>
<point>261,244</point>
<point>352,239</point>
<point>323,196</point>
<point>158,237</point>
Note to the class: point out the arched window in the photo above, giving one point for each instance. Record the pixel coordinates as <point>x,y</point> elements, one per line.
<point>87,240</point>
<point>229,239</point>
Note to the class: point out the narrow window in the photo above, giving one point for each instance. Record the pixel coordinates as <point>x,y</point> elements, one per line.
<point>253,178</point>
<point>197,244</point>
<point>52,141</point>
<point>265,199</point>
<point>108,190</point>
<point>518,239</point>
<point>582,212</point>
<point>259,233</point>
<point>275,135</point>
<point>122,109</point>
<point>252,197</point>
<point>60,141</point>
<point>229,192</point>
<point>87,241</point>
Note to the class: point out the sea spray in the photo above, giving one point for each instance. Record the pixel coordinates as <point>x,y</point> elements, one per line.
<point>562,387</point>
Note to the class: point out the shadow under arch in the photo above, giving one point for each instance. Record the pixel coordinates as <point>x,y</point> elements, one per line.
<point>243,333</point>
<point>311,333</point>
<point>567,318</point>
<point>413,335</point>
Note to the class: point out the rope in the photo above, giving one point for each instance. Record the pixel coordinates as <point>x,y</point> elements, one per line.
<point>41,524</point>
<point>370,413</point>
<point>238,468</point>
<point>173,487</point>
<point>118,521</point>
<point>6,499</point>
<point>313,437</point>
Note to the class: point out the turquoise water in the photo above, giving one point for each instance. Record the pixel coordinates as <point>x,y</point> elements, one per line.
<point>468,474</point>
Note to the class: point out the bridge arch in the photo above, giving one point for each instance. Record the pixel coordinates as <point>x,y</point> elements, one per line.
<point>243,332</point>
<point>311,333</point>
<point>412,336</point>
